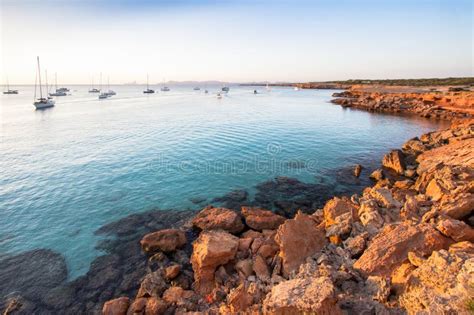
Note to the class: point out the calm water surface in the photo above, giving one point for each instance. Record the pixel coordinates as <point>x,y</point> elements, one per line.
<point>68,170</point>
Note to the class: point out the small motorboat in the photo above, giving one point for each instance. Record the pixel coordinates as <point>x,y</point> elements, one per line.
<point>94,90</point>
<point>225,89</point>
<point>165,89</point>
<point>206,91</point>
<point>197,88</point>
<point>255,92</point>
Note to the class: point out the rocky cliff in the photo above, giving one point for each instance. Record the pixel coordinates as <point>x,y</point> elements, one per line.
<point>405,245</point>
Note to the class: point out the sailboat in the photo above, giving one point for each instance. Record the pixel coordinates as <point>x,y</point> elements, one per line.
<point>8,91</point>
<point>225,89</point>
<point>165,88</point>
<point>103,94</point>
<point>148,90</point>
<point>93,89</point>
<point>42,102</point>
<point>109,91</point>
<point>58,91</point>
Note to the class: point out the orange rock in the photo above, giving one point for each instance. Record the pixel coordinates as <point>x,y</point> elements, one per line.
<point>239,299</point>
<point>335,207</point>
<point>389,249</point>
<point>298,239</point>
<point>260,219</point>
<point>117,306</point>
<point>218,218</point>
<point>457,230</point>
<point>395,161</point>
<point>261,268</point>
<point>155,306</point>
<point>165,240</point>
<point>441,285</point>
<point>210,250</point>
<point>138,306</point>
<point>302,296</point>
<point>400,276</point>
<point>172,271</point>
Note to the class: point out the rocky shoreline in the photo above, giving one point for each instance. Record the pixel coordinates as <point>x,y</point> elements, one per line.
<point>436,103</point>
<point>405,245</point>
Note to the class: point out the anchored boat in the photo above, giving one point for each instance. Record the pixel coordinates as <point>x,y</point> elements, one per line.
<point>42,102</point>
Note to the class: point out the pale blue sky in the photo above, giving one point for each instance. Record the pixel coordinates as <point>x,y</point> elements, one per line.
<point>236,40</point>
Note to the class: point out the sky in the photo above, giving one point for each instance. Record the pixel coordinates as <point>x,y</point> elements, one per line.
<point>236,41</point>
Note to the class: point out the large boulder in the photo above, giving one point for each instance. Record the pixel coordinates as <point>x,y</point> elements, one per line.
<point>302,296</point>
<point>336,207</point>
<point>260,219</point>
<point>165,240</point>
<point>211,250</point>
<point>211,218</point>
<point>298,239</point>
<point>443,284</point>
<point>395,161</point>
<point>390,247</point>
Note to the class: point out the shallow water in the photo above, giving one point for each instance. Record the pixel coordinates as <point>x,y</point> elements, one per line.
<point>68,170</point>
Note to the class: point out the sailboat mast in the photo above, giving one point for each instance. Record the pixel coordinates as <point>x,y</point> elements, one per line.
<point>56,79</point>
<point>46,79</point>
<point>147,87</point>
<point>101,81</point>
<point>39,75</point>
<point>8,85</point>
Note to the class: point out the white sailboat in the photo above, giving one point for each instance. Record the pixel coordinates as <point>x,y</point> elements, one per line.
<point>148,90</point>
<point>58,91</point>
<point>93,89</point>
<point>165,88</point>
<point>42,102</point>
<point>109,91</point>
<point>102,95</point>
<point>8,91</point>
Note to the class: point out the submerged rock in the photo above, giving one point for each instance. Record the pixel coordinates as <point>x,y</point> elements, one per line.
<point>33,274</point>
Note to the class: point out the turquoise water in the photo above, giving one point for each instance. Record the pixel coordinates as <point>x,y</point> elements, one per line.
<point>68,170</point>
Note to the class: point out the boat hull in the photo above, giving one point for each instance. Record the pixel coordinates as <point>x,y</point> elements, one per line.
<point>44,104</point>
